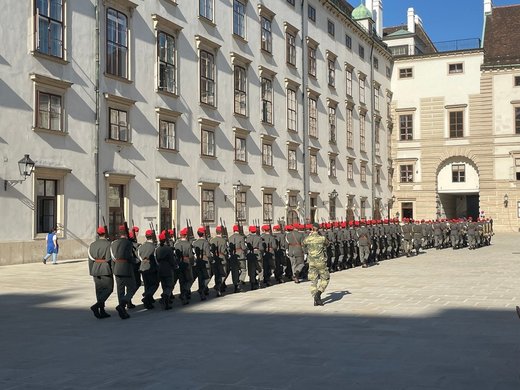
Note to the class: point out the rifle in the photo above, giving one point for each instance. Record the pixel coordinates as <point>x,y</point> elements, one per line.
<point>224,229</point>
<point>127,231</point>
<point>240,228</point>
<point>154,235</point>
<point>105,227</point>
<point>257,225</point>
<point>190,230</point>
<point>168,237</point>
<point>174,232</point>
<point>134,239</point>
<point>207,232</point>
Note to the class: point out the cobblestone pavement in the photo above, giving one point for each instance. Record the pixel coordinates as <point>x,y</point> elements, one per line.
<point>441,320</point>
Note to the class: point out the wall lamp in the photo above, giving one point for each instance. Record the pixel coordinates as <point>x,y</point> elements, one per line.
<point>333,194</point>
<point>506,200</point>
<point>237,187</point>
<point>26,168</point>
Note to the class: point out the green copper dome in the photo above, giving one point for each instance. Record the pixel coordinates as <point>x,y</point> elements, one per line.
<point>361,12</point>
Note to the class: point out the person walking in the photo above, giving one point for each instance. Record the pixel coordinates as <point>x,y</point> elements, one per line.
<point>100,268</point>
<point>518,311</point>
<point>52,246</point>
<point>314,245</point>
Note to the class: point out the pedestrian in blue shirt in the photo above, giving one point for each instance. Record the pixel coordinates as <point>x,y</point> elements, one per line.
<point>52,246</point>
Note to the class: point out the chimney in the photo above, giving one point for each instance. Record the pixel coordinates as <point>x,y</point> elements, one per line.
<point>377,13</point>
<point>418,20</point>
<point>411,20</point>
<point>488,7</point>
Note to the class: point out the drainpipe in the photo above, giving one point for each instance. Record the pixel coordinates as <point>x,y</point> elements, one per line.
<point>305,130</point>
<point>96,130</point>
<point>372,124</point>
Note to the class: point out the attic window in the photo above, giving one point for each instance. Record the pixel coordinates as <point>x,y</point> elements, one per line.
<point>456,68</point>
<point>517,81</point>
<point>405,73</point>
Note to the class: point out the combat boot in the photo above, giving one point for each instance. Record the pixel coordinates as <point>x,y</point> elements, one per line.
<point>95,310</point>
<point>237,288</point>
<point>122,312</point>
<point>102,312</point>
<point>317,299</point>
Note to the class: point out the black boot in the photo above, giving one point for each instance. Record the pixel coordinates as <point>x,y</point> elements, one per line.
<point>237,288</point>
<point>102,311</point>
<point>317,299</point>
<point>95,310</point>
<point>130,305</point>
<point>122,312</point>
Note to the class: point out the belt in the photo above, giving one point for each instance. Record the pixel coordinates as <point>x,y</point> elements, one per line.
<point>295,244</point>
<point>121,261</point>
<point>100,261</point>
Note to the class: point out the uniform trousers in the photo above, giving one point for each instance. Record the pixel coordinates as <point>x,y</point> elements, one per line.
<point>318,275</point>
<point>104,286</point>
<point>126,288</point>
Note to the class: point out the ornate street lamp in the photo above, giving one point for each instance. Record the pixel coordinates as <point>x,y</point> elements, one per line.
<point>26,168</point>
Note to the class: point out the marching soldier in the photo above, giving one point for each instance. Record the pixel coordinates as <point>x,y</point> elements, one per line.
<point>417,236</point>
<point>437,234</point>
<point>121,251</point>
<point>166,264</point>
<point>202,269</point>
<point>472,232</point>
<point>314,246</point>
<point>184,274</point>
<point>407,236</point>
<point>148,268</point>
<point>218,246</point>
<point>237,258</point>
<point>364,240</point>
<point>269,248</point>
<point>132,235</point>
<point>101,271</point>
<point>454,234</point>
<point>254,257</point>
<point>279,254</point>
<point>294,240</point>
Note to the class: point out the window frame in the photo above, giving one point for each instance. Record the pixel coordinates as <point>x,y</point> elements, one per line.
<point>458,175</point>
<point>361,51</point>
<point>207,205</point>
<point>313,162</point>
<point>205,7</point>
<point>331,28</point>
<point>167,65</point>
<point>332,119</point>
<point>456,124</point>
<point>267,154</point>
<point>362,90</point>
<point>114,69</point>
<point>406,73</point>
<point>119,111</point>
<point>363,172</point>
<point>348,41</point>
<point>292,112</point>
<point>312,60</point>
<point>311,13</point>
<point>48,126</point>
<point>169,136</point>
<point>313,116</point>
<point>240,85</point>
<point>290,48</point>
<point>349,77</point>
<point>349,123</point>
<point>266,34</point>
<point>406,173</point>
<point>331,72</point>
<point>267,207</point>
<point>406,129</point>
<point>206,135</point>
<point>456,68</point>
<point>239,19</point>
<point>267,97</point>
<point>50,21</point>
<point>241,206</point>
<point>292,163</point>
<point>516,118</point>
<point>41,228</point>
<point>332,166</point>
<point>362,132</point>
<point>243,146</point>
<point>350,169</point>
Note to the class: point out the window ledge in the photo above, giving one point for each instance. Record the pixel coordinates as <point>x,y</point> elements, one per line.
<point>292,170</point>
<point>267,166</point>
<point>267,53</point>
<point>49,57</point>
<point>207,21</point>
<point>166,93</point>
<point>202,104</point>
<point>294,131</point>
<point>240,162</point>
<point>332,86</point>
<point>291,65</point>
<point>117,78</point>
<point>313,136</point>
<point>205,156</point>
<point>240,115</point>
<point>240,38</point>
<point>267,123</point>
<point>166,150</point>
<point>49,131</point>
<point>117,142</point>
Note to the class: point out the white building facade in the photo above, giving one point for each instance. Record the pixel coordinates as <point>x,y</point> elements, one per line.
<point>162,111</point>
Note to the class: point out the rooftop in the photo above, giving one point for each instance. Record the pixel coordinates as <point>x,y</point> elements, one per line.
<point>502,36</point>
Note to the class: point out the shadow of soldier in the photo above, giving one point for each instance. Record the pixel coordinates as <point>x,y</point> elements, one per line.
<point>335,296</point>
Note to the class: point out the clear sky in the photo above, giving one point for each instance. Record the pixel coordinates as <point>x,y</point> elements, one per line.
<point>443,20</point>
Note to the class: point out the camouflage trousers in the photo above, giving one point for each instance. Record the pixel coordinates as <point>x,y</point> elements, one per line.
<point>318,276</point>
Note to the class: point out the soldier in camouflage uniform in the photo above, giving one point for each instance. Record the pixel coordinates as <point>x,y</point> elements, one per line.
<point>101,271</point>
<point>314,246</point>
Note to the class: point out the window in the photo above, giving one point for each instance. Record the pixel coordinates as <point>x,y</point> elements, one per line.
<point>313,118</point>
<point>331,28</point>
<point>406,173</point>
<point>377,127</point>
<point>49,111</point>
<point>399,50</point>
<point>376,97</point>
<point>291,159</point>
<point>350,170</point>
<point>290,44</point>
<point>266,35</point>
<point>362,90</point>
<point>239,18</point>
<point>46,205</point>
<point>388,72</point>
<point>456,68</point>
<point>268,208</point>
<point>207,78</point>
<point>331,72</point>
<point>166,58</point>
<point>291,110</point>
<point>376,63</point>
<point>456,124</point>
<point>240,149</point>
<point>332,166</point>
<point>517,120</point>
<point>349,81</point>
<point>208,205</point>
<point>206,9</point>
<point>314,207</point>
<point>378,175</point>
<point>311,11</point>
<point>406,127</point>
<point>363,173</point>
<point>348,41</point>
<point>312,60</point>
<point>313,163</point>
<point>165,201</point>
<point>332,125</point>
<point>267,154</point>
<point>167,136</point>
<point>405,73</point>
<point>458,173</point>
<point>332,208</point>
<point>267,101</point>
<point>362,132</point>
<point>362,51</point>
<point>517,81</point>
<point>350,130</point>
<point>517,168</point>
<point>116,203</point>
<point>241,207</point>
<point>117,43</point>
<point>240,90</point>
<point>407,210</point>
<point>362,208</point>
<point>208,143</point>
<point>49,27</point>
<point>118,125</point>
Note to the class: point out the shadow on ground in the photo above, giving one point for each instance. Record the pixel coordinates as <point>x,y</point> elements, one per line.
<point>190,349</point>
